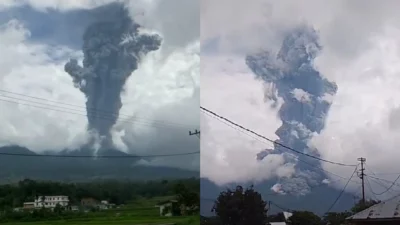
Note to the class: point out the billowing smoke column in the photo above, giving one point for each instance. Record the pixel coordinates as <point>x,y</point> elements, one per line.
<point>304,91</point>
<point>112,48</point>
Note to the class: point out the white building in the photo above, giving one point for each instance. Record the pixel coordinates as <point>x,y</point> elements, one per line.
<point>51,201</point>
<point>166,207</point>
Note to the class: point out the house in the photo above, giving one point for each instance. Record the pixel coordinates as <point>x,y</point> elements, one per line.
<point>29,205</point>
<point>51,201</point>
<point>74,208</point>
<point>104,205</point>
<point>384,213</point>
<point>104,202</point>
<point>166,207</point>
<point>89,202</point>
<point>287,215</point>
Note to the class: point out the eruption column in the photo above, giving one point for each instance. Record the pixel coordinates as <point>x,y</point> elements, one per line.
<point>112,50</point>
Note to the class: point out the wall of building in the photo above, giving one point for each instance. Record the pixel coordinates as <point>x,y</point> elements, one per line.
<point>162,207</point>
<point>51,201</point>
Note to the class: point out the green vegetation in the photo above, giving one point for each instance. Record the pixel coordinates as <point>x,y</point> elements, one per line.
<point>143,211</point>
<point>136,202</point>
<point>117,192</point>
<point>245,206</point>
<point>241,207</point>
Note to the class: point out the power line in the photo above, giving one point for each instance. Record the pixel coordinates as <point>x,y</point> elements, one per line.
<point>313,166</point>
<point>280,207</point>
<point>93,113</point>
<point>270,140</point>
<point>92,116</point>
<point>384,186</point>
<point>378,182</point>
<point>370,189</point>
<point>99,156</point>
<point>236,128</point>
<point>340,194</point>
<point>381,179</point>
<point>385,174</point>
<point>196,133</point>
<point>109,113</point>
<point>327,171</point>
<point>390,187</point>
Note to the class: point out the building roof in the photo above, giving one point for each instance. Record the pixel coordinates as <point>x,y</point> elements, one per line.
<point>166,202</point>
<point>389,209</point>
<point>287,215</point>
<point>277,223</point>
<point>53,196</point>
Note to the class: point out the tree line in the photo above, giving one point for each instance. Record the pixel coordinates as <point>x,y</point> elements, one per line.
<point>117,192</point>
<point>246,206</point>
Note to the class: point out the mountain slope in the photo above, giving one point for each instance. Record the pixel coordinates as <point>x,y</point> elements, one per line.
<point>80,169</point>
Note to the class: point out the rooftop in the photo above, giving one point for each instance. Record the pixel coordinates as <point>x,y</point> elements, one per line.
<point>166,202</point>
<point>277,223</point>
<point>389,209</point>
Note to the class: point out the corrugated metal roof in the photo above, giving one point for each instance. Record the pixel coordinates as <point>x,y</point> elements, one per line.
<point>277,223</point>
<point>287,215</point>
<point>384,210</point>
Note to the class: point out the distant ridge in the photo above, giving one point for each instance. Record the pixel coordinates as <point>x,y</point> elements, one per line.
<point>14,168</point>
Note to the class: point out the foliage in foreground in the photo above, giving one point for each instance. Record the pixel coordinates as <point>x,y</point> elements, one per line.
<point>243,207</point>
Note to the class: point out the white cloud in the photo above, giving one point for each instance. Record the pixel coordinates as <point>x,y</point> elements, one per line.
<point>229,89</point>
<point>54,4</point>
<point>326,181</point>
<point>27,70</point>
<point>301,95</point>
<point>277,188</point>
<point>360,53</point>
<point>166,95</point>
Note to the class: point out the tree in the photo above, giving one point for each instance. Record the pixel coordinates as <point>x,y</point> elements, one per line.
<point>360,206</point>
<point>304,218</point>
<point>336,218</point>
<point>209,221</point>
<point>241,207</point>
<point>58,209</point>
<point>279,217</point>
<point>190,200</point>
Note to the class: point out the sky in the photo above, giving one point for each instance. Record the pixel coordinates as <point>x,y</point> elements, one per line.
<point>360,53</point>
<point>43,111</point>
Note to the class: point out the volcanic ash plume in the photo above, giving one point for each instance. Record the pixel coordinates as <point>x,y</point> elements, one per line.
<point>112,50</point>
<point>304,91</point>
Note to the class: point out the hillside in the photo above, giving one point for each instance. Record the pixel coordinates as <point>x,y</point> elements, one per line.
<point>79,169</point>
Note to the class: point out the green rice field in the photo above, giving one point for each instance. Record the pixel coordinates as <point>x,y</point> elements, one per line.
<point>141,212</point>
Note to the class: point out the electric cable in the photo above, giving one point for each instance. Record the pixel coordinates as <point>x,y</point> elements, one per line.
<point>341,193</point>
<point>270,140</point>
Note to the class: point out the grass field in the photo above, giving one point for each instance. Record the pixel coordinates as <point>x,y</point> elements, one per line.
<point>140,212</point>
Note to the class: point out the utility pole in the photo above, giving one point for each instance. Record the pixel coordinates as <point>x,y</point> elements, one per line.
<point>196,132</point>
<point>361,176</point>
